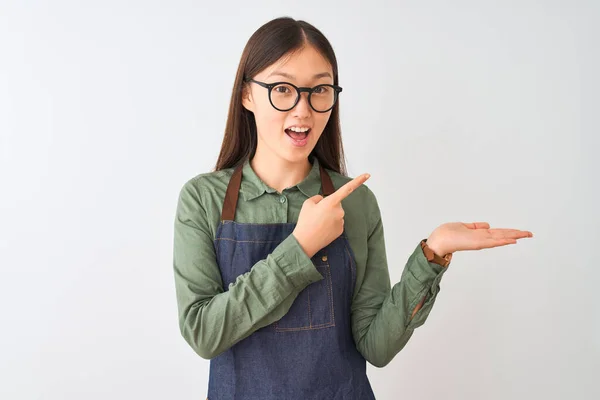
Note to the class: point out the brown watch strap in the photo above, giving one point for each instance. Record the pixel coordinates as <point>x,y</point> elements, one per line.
<point>432,257</point>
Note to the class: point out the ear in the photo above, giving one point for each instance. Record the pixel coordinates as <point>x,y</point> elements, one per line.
<point>247,101</point>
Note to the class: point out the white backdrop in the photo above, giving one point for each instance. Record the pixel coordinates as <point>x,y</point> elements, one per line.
<point>461,111</point>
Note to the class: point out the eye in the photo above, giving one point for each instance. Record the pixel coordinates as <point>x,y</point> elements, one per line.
<point>282,89</point>
<point>321,90</point>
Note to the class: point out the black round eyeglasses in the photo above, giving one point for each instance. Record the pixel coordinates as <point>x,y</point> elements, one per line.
<point>284,95</point>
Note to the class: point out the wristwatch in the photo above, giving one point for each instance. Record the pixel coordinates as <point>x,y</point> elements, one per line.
<point>432,257</point>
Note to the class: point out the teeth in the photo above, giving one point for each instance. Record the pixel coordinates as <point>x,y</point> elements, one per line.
<point>296,129</point>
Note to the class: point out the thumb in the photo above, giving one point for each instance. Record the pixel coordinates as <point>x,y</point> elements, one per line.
<point>315,199</point>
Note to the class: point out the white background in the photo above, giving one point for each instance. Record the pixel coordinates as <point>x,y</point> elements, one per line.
<point>461,111</point>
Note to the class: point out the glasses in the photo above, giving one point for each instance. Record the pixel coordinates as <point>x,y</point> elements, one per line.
<point>284,96</point>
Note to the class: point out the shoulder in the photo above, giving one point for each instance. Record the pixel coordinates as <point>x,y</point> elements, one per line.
<point>208,181</point>
<point>362,199</point>
<point>205,185</point>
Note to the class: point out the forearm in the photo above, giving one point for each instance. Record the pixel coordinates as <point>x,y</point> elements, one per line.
<point>211,322</point>
<point>381,334</point>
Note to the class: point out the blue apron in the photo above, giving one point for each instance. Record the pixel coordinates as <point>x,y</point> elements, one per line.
<point>310,352</point>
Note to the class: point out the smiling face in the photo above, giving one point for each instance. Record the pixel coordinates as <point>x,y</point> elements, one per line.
<point>289,135</point>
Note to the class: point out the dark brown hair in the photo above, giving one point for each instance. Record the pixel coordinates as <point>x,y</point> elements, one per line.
<point>275,39</point>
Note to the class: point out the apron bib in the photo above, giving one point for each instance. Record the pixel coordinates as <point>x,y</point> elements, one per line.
<point>310,352</point>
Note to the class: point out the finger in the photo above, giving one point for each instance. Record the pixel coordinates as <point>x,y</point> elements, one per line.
<point>510,233</point>
<point>477,225</point>
<point>488,244</point>
<point>344,191</point>
<point>499,243</point>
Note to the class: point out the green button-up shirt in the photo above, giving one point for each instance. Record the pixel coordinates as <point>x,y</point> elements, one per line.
<point>212,320</point>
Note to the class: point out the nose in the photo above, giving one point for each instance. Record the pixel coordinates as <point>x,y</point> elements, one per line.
<point>302,109</point>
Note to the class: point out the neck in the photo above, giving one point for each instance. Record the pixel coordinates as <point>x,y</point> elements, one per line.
<point>279,173</point>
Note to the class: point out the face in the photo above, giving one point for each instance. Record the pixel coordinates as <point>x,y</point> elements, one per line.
<point>276,136</point>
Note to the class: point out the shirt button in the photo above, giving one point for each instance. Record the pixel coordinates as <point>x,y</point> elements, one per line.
<point>282,199</point>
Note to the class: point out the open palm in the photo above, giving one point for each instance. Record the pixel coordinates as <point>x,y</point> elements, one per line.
<point>457,236</point>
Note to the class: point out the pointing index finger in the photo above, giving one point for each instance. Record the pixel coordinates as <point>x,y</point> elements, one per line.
<point>344,191</point>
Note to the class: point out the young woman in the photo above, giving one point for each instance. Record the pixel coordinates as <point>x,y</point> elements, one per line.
<point>279,257</point>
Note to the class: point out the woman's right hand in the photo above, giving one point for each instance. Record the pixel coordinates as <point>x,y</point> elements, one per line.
<point>321,220</point>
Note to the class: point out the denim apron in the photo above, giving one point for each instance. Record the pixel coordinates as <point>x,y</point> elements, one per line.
<point>310,352</point>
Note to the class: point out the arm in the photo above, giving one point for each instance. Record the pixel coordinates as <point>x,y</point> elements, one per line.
<point>384,318</point>
<point>210,319</point>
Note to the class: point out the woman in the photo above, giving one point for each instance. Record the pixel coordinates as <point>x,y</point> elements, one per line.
<point>279,257</point>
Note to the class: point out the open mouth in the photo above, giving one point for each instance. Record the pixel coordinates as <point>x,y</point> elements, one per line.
<point>297,136</point>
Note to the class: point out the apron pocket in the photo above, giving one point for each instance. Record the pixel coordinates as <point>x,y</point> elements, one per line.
<point>313,307</point>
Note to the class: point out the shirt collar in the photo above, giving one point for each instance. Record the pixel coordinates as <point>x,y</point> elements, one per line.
<point>252,186</point>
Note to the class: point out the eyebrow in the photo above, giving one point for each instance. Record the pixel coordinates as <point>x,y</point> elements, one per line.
<point>285,75</point>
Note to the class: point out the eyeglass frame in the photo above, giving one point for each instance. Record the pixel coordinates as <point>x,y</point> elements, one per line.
<point>337,89</point>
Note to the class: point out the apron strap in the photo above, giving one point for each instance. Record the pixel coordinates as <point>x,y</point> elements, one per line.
<point>233,191</point>
<point>231,195</point>
<point>326,183</point>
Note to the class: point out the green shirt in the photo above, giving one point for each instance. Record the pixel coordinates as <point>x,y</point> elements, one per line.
<point>212,320</point>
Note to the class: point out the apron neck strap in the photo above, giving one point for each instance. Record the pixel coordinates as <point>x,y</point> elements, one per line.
<point>233,191</point>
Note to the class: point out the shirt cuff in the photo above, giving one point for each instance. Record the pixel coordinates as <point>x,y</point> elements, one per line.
<point>296,265</point>
<point>425,271</point>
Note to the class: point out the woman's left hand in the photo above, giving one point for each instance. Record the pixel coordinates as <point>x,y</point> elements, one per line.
<point>457,236</point>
